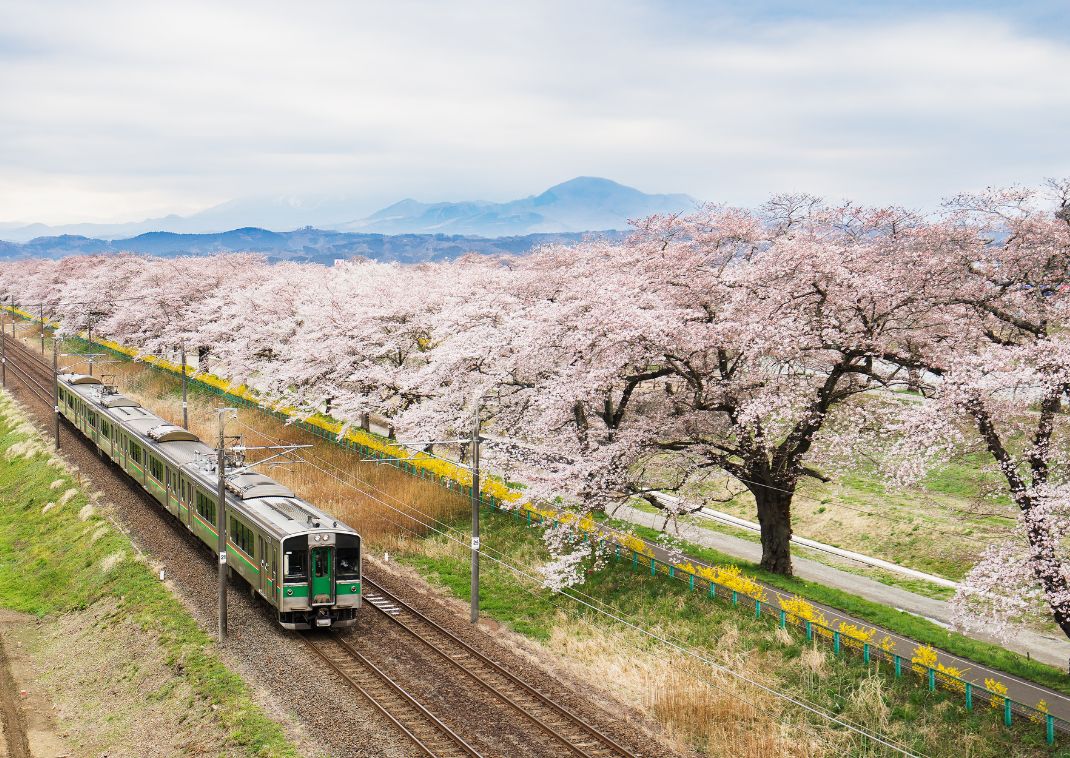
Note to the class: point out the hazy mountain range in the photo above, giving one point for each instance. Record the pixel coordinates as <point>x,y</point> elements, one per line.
<point>306,245</point>
<point>580,204</point>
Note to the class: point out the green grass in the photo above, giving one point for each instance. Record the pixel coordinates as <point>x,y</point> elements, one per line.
<point>900,622</point>
<point>929,723</point>
<point>56,562</point>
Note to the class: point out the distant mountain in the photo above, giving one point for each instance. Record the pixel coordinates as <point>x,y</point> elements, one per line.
<point>307,245</point>
<point>580,204</point>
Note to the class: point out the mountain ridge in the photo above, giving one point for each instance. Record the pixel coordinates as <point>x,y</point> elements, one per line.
<point>584,203</point>
<point>307,245</point>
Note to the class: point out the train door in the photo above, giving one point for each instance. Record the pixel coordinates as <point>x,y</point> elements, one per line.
<point>262,551</point>
<point>322,575</point>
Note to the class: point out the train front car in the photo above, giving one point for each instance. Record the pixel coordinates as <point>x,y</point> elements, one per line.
<point>321,567</point>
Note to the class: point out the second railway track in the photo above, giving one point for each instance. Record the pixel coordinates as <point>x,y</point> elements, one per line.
<point>573,734</point>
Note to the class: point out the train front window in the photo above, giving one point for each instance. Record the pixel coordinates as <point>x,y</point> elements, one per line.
<point>294,567</point>
<point>348,563</point>
<point>323,566</point>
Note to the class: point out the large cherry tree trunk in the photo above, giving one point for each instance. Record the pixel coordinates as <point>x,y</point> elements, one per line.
<point>774,516</point>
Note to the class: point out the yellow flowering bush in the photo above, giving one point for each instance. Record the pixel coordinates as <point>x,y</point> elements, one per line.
<point>856,636</point>
<point>999,690</point>
<point>1041,711</point>
<point>799,609</point>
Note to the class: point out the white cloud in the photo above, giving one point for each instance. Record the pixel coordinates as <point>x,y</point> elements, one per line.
<point>121,110</point>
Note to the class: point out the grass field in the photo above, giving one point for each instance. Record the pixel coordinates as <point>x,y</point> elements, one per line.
<point>59,555</point>
<point>704,707</point>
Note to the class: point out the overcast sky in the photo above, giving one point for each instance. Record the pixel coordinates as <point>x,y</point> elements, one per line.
<point>116,111</point>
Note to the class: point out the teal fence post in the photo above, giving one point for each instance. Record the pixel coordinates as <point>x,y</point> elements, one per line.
<point>1007,711</point>
<point>735,598</point>
<point>757,609</point>
<point>898,666</point>
<point>653,566</point>
<point>1050,720</point>
<point>865,652</point>
<point>809,631</point>
<point>672,571</point>
<point>529,518</point>
<point>836,643</point>
<point>691,581</point>
<point>969,696</point>
<point>932,679</point>
<point>713,590</point>
<point>635,559</point>
<point>783,620</point>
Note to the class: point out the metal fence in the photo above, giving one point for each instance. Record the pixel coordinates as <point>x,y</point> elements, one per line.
<point>842,644</point>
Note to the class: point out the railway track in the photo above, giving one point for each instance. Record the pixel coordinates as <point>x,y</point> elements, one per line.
<point>426,730</point>
<point>569,733</point>
<point>574,735</point>
<point>35,374</point>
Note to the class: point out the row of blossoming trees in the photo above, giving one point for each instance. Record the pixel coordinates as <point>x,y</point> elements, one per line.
<point>754,347</point>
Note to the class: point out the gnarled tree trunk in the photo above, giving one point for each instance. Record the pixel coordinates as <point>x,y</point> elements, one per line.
<point>774,515</point>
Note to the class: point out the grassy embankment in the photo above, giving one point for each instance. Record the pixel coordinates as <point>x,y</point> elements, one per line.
<point>700,707</point>
<point>61,559</point>
<point>693,702</point>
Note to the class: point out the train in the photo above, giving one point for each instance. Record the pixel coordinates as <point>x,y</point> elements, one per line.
<point>301,561</point>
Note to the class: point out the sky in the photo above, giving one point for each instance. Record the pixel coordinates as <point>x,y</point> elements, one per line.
<point>118,111</point>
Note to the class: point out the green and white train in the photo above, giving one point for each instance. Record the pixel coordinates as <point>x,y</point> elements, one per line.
<point>303,562</point>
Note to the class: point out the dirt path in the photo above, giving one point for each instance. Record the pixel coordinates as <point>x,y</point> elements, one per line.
<point>14,726</point>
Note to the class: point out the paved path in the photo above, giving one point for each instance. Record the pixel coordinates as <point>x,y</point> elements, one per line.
<point>1042,647</point>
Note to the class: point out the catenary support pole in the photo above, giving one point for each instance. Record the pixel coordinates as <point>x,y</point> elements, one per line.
<point>475,516</point>
<point>185,412</point>
<point>42,322</point>
<point>3,352</point>
<point>221,526</point>
<point>55,385</point>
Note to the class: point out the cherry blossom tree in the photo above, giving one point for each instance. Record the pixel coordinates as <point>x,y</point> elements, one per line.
<point>1004,380</point>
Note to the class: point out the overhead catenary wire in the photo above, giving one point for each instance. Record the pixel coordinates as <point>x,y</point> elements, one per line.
<point>601,608</point>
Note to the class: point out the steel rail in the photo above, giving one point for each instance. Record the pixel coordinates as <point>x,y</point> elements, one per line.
<point>31,355</point>
<point>606,743</point>
<point>393,687</point>
<point>30,383</point>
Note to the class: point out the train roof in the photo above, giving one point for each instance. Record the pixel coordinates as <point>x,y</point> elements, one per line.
<point>260,498</point>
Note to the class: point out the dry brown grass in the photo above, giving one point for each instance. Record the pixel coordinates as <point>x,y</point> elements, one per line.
<point>376,499</point>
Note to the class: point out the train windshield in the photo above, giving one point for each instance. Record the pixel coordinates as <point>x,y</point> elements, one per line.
<point>296,567</point>
<point>348,563</point>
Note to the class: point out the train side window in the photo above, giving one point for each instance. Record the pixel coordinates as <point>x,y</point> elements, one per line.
<point>206,507</point>
<point>295,567</point>
<point>241,535</point>
<point>105,429</point>
<point>135,452</point>
<point>156,469</point>
<point>92,418</point>
<point>348,563</point>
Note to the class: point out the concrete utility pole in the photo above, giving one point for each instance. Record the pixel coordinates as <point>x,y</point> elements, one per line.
<point>3,352</point>
<point>55,386</point>
<point>185,412</point>
<point>475,516</point>
<point>42,330</point>
<point>221,523</point>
